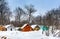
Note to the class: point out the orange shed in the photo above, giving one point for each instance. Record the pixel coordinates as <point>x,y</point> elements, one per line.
<point>26,28</point>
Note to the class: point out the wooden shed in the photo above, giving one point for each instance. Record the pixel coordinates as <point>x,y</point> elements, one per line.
<point>35,27</point>
<point>26,28</point>
<point>2,28</point>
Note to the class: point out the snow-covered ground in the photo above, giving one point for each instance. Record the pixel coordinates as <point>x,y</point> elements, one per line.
<point>25,35</point>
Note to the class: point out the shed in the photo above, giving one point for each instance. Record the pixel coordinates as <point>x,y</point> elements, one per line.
<point>35,27</point>
<point>26,28</point>
<point>2,28</point>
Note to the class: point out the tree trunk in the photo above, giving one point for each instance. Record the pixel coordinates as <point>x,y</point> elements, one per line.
<point>52,29</point>
<point>1,18</point>
<point>19,17</point>
<point>29,17</point>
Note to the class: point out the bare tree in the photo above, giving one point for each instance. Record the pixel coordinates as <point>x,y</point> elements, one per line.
<point>38,20</point>
<point>3,11</point>
<point>30,10</point>
<point>52,18</point>
<point>19,13</point>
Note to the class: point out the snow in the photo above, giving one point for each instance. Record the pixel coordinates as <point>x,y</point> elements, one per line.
<point>33,26</point>
<point>17,27</point>
<point>23,26</point>
<point>25,35</point>
<point>8,25</point>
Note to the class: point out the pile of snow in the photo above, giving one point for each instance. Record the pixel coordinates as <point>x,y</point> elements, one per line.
<point>25,35</point>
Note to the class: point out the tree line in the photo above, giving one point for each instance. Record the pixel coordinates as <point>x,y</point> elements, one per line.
<point>25,15</point>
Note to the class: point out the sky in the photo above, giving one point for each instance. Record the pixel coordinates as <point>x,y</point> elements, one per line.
<point>42,6</point>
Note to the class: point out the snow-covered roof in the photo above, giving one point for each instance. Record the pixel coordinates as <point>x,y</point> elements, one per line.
<point>23,26</point>
<point>33,26</point>
<point>17,27</point>
<point>8,25</point>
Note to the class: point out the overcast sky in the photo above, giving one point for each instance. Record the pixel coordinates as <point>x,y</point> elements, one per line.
<point>42,6</point>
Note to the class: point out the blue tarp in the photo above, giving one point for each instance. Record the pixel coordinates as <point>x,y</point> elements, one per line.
<point>44,28</point>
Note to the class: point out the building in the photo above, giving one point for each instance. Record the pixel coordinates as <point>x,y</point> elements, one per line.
<point>26,28</point>
<point>35,27</point>
<point>2,28</point>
